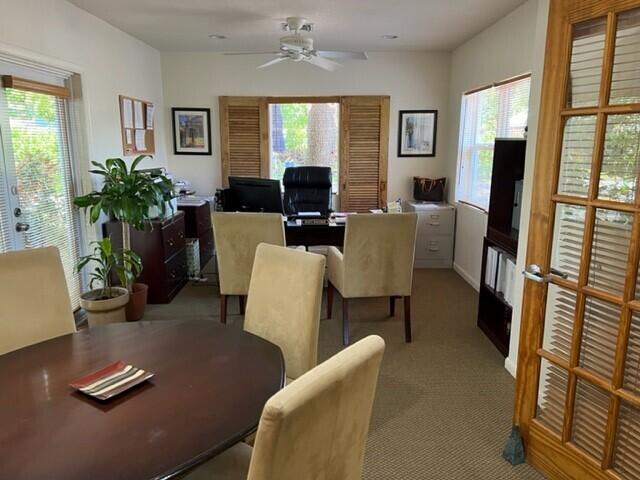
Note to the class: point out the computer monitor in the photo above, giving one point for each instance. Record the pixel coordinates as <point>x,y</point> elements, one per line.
<point>250,194</point>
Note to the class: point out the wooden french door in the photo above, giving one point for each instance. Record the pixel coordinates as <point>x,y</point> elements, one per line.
<point>578,387</point>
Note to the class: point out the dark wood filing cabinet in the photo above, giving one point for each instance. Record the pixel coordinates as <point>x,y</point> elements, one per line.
<point>197,224</point>
<point>161,245</point>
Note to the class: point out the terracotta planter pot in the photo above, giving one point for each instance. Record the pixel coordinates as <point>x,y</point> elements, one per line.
<point>137,302</point>
<point>103,311</point>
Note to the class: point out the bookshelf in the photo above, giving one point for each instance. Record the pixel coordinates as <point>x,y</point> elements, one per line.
<point>497,275</point>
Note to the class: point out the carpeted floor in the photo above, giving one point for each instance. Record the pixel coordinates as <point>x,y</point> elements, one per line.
<point>444,403</point>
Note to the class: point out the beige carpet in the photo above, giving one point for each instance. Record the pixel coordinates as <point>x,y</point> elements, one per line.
<point>444,403</point>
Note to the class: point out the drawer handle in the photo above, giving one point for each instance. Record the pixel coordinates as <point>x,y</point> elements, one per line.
<point>181,234</point>
<point>434,249</point>
<point>435,216</point>
<point>171,242</point>
<point>434,224</point>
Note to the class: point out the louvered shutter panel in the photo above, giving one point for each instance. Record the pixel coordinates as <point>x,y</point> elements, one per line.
<point>244,137</point>
<point>365,143</point>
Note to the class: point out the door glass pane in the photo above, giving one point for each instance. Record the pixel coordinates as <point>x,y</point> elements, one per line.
<point>632,363</point>
<point>558,321</point>
<point>568,232</point>
<point>552,390</point>
<point>599,336</point>
<point>40,152</point>
<point>590,418</point>
<point>621,159</point>
<point>609,250</point>
<point>626,460</point>
<point>577,153</point>
<point>625,81</point>
<point>586,63</point>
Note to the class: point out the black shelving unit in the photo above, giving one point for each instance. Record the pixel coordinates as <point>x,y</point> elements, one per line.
<point>494,313</point>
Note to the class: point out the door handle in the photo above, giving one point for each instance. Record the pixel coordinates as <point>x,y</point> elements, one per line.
<point>22,227</point>
<point>533,272</point>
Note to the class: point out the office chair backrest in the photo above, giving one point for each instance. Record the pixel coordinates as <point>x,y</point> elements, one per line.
<point>236,237</point>
<point>379,253</point>
<point>34,300</point>
<point>285,295</point>
<point>316,427</point>
<point>307,189</point>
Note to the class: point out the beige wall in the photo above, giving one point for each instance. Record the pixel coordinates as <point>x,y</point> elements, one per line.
<point>110,63</point>
<point>512,46</point>
<point>413,80</point>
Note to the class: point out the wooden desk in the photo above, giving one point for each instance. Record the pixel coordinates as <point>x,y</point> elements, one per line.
<point>211,383</point>
<point>312,235</point>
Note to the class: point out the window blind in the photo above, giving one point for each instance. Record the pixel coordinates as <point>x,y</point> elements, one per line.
<point>38,165</point>
<point>495,112</point>
<point>244,134</point>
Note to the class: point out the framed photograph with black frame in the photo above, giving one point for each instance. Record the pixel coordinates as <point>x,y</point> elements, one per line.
<point>191,131</point>
<point>417,133</point>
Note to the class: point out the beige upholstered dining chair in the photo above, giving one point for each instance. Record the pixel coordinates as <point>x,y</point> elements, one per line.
<point>236,237</point>
<point>34,300</point>
<point>316,427</point>
<point>377,262</point>
<point>284,303</point>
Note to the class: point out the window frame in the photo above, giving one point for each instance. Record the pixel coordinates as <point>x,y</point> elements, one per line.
<point>462,192</point>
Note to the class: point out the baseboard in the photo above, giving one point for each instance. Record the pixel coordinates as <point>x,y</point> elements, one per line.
<point>467,277</point>
<point>510,366</point>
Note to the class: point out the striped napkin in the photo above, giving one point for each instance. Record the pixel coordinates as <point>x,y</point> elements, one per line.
<point>111,380</point>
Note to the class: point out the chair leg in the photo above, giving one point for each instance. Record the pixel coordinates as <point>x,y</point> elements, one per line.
<point>345,321</point>
<point>392,306</point>
<point>330,290</point>
<point>241,301</point>
<point>407,319</point>
<point>223,308</point>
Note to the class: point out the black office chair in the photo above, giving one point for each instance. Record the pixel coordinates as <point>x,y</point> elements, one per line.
<point>307,189</point>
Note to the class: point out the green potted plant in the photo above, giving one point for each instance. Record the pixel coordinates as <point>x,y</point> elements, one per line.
<point>107,303</point>
<point>132,197</point>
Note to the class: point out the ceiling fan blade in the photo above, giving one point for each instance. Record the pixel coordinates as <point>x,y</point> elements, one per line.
<point>251,53</point>
<point>273,62</point>
<point>323,63</point>
<point>342,55</point>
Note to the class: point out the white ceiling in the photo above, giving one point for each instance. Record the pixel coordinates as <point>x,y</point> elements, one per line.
<point>254,25</point>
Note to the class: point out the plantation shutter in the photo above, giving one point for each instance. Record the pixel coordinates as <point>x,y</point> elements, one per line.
<point>244,137</point>
<point>364,138</point>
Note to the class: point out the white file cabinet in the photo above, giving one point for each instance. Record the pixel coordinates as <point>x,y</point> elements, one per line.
<point>434,239</point>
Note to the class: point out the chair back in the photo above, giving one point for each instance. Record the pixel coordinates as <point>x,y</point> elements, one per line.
<point>379,251</point>
<point>34,300</point>
<point>316,427</point>
<point>236,237</point>
<point>307,189</point>
<point>283,307</point>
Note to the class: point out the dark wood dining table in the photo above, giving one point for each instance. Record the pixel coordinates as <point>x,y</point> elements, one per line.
<point>210,385</point>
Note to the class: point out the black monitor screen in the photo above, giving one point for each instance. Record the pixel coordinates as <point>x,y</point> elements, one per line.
<point>250,194</point>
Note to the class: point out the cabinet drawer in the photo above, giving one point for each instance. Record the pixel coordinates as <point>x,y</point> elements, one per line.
<point>436,222</point>
<point>435,247</point>
<point>176,269</point>
<point>203,219</point>
<point>173,237</point>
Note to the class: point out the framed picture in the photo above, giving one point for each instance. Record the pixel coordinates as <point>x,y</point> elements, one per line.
<point>417,133</point>
<point>191,131</point>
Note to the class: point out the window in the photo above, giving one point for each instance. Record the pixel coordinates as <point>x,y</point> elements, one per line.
<point>304,134</point>
<point>36,183</point>
<point>495,112</point>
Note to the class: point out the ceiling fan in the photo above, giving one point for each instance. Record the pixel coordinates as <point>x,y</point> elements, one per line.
<point>299,48</point>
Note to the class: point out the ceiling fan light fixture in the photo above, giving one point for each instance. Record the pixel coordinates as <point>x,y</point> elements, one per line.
<point>389,37</point>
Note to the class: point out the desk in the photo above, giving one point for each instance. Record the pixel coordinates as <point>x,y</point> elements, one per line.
<point>312,235</point>
<point>210,386</point>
